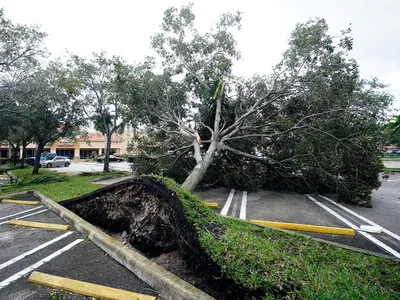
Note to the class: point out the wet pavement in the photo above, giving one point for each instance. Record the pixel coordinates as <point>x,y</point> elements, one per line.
<point>297,208</point>
<point>83,261</point>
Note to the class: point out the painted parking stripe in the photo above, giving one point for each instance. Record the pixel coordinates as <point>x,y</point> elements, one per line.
<point>23,255</point>
<point>225,209</point>
<point>25,271</point>
<point>23,217</point>
<point>243,206</point>
<point>20,213</point>
<point>366,235</point>
<point>388,232</point>
<point>234,208</point>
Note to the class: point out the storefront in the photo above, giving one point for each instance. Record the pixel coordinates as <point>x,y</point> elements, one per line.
<point>88,153</point>
<point>65,152</point>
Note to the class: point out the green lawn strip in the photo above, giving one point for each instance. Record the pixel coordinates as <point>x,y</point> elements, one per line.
<point>71,185</point>
<point>392,169</point>
<point>288,265</point>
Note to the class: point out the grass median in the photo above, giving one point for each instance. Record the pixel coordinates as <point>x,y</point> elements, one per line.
<point>392,169</point>
<point>57,186</point>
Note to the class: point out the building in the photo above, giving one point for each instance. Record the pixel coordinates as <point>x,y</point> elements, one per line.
<point>82,147</point>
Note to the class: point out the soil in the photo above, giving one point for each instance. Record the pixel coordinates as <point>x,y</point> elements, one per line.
<point>144,214</point>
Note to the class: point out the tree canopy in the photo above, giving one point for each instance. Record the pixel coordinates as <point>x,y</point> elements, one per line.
<point>312,123</point>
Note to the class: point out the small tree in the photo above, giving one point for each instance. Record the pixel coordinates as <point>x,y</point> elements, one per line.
<point>21,48</point>
<point>52,109</point>
<point>104,86</point>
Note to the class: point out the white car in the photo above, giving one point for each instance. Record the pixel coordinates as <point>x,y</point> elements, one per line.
<point>58,161</point>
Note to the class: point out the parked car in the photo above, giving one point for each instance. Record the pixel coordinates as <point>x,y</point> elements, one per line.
<point>57,161</point>
<point>44,156</point>
<point>131,158</point>
<point>393,151</point>
<point>112,158</point>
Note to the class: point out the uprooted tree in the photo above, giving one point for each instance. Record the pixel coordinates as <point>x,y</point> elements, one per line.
<point>311,124</point>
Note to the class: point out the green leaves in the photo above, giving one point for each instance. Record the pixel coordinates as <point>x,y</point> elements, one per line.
<point>393,126</point>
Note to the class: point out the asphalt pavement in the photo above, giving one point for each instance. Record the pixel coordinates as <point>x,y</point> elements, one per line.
<point>297,208</point>
<point>80,260</point>
<point>79,167</point>
<point>392,164</point>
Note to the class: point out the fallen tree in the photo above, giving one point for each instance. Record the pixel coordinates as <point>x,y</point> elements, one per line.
<point>305,125</point>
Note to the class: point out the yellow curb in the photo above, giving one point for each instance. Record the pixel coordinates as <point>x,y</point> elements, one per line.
<point>211,204</point>
<point>309,228</point>
<point>20,202</point>
<point>86,288</point>
<point>39,225</point>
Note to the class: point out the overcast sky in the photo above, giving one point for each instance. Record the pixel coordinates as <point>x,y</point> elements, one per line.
<point>123,27</point>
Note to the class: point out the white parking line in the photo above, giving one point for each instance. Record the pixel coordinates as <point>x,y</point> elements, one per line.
<point>25,271</point>
<point>366,235</point>
<point>243,206</point>
<point>23,255</point>
<point>20,213</point>
<point>388,232</point>
<point>234,208</point>
<point>23,217</point>
<point>225,209</point>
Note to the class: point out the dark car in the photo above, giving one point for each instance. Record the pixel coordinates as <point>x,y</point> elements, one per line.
<point>112,158</point>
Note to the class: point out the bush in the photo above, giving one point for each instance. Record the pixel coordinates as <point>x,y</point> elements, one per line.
<point>10,167</point>
<point>8,161</point>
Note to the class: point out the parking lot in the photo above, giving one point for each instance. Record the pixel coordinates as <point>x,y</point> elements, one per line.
<point>79,167</point>
<point>60,253</point>
<point>297,208</point>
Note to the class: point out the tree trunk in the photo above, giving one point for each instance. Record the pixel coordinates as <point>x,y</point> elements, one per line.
<point>106,167</point>
<point>195,177</point>
<point>39,150</point>
<point>23,156</point>
<point>15,149</point>
<point>198,172</point>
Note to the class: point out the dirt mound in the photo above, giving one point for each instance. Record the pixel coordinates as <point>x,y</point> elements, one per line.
<point>146,214</point>
<point>151,216</point>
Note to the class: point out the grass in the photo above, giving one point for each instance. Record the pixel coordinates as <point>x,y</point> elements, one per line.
<point>281,264</point>
<point>285,265</point>
<point>391,169</point>
<point>70,186</point>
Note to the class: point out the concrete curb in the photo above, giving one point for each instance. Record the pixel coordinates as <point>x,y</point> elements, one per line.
<point>167,284</point>
<point>85,288</point>
<point>307,227</point>
<point>14,177</point>
<point>109,177</point>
